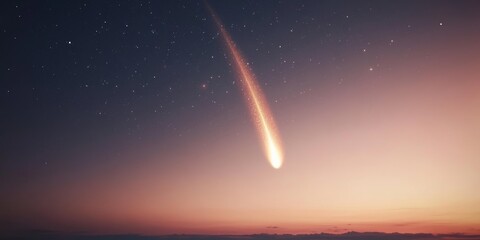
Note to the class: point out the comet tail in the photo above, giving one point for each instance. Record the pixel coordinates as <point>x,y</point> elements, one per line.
<point>258,106</point>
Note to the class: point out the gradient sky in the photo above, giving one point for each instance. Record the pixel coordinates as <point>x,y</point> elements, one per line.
<point>127,117</point>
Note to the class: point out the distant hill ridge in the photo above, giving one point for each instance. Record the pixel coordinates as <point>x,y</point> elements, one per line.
<point>51,235</point>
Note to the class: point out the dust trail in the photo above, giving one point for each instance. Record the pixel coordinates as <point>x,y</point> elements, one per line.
<point>258,106</point>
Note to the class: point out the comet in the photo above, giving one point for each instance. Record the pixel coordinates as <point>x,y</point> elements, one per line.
<point>257,104</point>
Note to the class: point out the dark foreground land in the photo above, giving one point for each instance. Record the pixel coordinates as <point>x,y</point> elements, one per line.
<point>322,236</point>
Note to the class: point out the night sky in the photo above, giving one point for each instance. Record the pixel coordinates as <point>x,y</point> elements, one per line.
<point>129,117</point>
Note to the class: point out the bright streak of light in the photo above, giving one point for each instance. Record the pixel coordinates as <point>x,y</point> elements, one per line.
<point>258,106</point>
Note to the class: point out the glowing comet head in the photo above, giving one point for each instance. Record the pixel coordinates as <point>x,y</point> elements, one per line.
<point>274,155</point>
<point>258,106</point>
